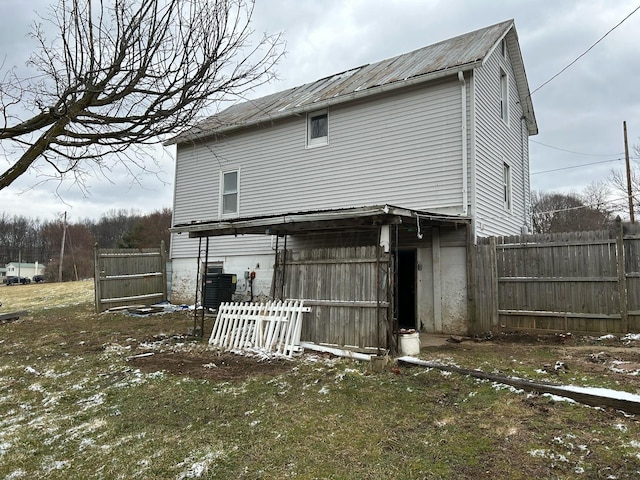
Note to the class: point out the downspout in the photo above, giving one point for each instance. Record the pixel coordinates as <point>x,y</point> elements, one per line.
<point>525,184</point>
<point>473,180</point>
<point>378,288</point>
<point>463,87</point>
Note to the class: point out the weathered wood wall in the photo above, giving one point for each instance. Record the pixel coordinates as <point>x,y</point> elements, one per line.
<point>340,284</point>
<point>129,276</point>
<point>587,282</point>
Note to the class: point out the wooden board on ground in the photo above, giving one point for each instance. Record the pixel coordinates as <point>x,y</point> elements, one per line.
<point>10,317</point>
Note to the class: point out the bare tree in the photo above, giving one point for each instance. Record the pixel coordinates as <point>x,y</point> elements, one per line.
<point>569,212</point>
<point>618,182</point>
<point>125,73</point>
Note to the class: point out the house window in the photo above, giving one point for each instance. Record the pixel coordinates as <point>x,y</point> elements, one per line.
<point>229,192</point>
<point>504,96</point>
<point>503,48</point>
<point>318,128</point>
<point>506,186</point>
<point>212,267</point>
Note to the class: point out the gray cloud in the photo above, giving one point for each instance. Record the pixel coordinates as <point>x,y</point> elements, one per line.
<point>582,110</point>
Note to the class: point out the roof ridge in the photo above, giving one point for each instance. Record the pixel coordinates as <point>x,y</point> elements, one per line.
<point>461,52</point>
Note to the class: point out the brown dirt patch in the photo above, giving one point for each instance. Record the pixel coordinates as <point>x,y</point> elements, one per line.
<point>211,366</point>
<point>615,360</point>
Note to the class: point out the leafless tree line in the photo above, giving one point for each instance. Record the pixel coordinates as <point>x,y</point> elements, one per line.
<point>31,240</point>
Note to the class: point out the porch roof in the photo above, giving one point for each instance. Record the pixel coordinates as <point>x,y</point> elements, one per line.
<point>317,221</point>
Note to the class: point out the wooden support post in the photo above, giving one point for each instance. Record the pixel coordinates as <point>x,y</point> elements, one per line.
<point>629,176</point>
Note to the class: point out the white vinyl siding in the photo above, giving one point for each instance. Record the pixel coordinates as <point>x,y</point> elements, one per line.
<point>495,141</point>
<point>403,149</point>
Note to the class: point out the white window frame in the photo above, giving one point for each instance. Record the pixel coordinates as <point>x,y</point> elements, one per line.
<point>504,96</point>
<point>507,193</point>
<point>221,211</point>
<point>317,141</point>
<point>503,47</point>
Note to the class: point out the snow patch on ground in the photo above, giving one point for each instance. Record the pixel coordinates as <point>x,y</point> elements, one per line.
<point>603,392</point>
<point>631,337</point>
<point>92,402</point>
<point>196,466</point>
<point>16,474</point>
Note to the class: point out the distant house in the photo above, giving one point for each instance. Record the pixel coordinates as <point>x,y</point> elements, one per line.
<point>374,181</point>
<point>3,273</point>
<point>28,270</point>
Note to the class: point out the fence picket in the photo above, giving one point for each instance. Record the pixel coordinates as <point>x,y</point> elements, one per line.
<point>584,282</point>
<point>272,327</point>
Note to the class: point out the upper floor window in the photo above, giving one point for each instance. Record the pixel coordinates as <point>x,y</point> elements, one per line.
<point>503,47</point>
<point>504,96</point>
<point>229,192</point>
<point>318,128</point>
<point>506,186</point>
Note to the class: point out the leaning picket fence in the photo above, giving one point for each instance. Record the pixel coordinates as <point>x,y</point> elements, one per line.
<point>268,328</point>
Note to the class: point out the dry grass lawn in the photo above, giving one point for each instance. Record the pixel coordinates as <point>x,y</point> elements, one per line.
<point>36,297</point>
<point>107,396</point>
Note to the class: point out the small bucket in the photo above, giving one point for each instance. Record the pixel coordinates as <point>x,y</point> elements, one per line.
<point>409,343</point>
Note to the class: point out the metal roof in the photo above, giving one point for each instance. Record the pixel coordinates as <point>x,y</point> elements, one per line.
<point>315,221</point>
<point>448,57</point>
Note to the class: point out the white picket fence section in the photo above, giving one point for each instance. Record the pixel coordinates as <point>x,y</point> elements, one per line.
<point>271,327</point>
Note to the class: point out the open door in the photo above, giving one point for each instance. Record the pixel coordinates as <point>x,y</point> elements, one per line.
<point>406,301</point>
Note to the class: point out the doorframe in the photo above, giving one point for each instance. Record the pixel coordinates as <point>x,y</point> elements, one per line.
<point>408,255</point>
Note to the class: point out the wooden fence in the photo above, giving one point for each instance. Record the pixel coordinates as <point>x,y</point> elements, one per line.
<point>125,276</point>
<point>347,289</point>
<point>580,282</point>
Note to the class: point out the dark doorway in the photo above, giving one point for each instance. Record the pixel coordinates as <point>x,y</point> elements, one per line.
<point>406,289</point>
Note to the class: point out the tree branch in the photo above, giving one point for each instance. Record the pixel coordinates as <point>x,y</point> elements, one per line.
<point>128,73</point>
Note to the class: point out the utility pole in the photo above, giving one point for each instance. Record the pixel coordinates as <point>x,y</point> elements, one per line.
<point>626,157</point>
<point>64,236</point>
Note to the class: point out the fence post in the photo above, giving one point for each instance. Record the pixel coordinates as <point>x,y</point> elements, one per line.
<point>622,278</point>
<point>493,262</point>
<point>163,269</point>
<point>472,252</point>
<point>96,278</point>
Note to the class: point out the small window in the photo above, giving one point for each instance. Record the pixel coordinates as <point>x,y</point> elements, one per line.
<point>229,192</point>
<point>318,128</point>
<point>504,96</point>
<point>503,48</point>
<point>212,267</point>
<point>506,186</point>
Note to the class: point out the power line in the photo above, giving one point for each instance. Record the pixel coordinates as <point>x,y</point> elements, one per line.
<point>591,205</point>
<point>577,153</point>
<point>586,51</point>
<point>577,166</point>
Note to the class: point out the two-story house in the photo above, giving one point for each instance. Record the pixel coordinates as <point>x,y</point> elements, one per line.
<point>376,181</point>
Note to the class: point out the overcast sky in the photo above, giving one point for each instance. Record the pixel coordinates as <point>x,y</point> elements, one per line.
<point>579,113</point>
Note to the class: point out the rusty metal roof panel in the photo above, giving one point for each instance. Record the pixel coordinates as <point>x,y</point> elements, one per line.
<point>455,54</point>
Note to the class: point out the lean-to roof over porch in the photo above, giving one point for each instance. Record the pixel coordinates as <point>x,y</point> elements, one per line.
<point>317,221</point>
